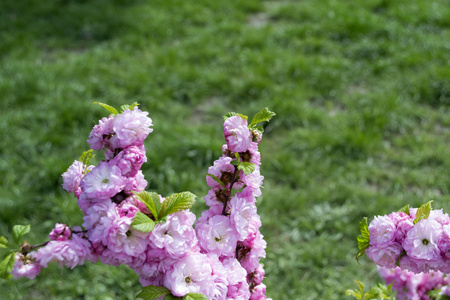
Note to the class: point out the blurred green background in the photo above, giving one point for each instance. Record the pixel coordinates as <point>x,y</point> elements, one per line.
<point>360,88</point>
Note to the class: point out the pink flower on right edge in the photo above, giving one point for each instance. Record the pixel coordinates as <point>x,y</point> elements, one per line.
<point>422,240</point>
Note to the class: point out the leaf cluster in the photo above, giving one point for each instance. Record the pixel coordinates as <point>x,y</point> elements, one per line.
<point>114,111</point>
<point>159,211</point>
<point>86,157</point>
<point>380,291</point>
<point>7,263</point>
<point>363,238</point>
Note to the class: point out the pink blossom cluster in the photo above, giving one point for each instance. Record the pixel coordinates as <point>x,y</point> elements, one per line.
<point>230,227</point>
<point>412,286</point>
<point>219,258</point>
<point>420,247</point>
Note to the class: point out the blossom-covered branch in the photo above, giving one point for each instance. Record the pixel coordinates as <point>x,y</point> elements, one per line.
<point>154,235</point>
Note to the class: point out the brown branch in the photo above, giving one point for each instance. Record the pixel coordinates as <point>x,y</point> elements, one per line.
<point>227,197</point>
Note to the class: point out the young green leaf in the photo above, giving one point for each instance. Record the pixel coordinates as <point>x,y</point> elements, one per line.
<point>152,292</point>
<point>405,209</point>
<point>126,106</point>
<point>423,212</point>
<point>259,129</point>
<point>195,296</point>
<point>262,116</point>
<point>177,202</point>
<point>19,231</point>
<point>247,167</point>
<point>356,294</point>
<point>7,265</point>
<point>133,105</point>
<point>360,286</point>
<point>156,202</point>
<point>86,157</point>
<point>216,179</point>
<point>142,223</point>
<point>380,291</point>
<point>232,114</point>
<point>363,238</point>
<point>108,108</point>
<point>4,242</point>
<point>151,200</point>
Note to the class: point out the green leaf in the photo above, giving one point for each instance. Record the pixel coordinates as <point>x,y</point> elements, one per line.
<point>195,296</point>
<point>264,115</point>
<point>232,114</point>
<point>162,220</point>
<point>400,257</point>
<point>7,265</point>
<point>156,202</point>
<point>363,238</point>
<point>126,106</point>
<point>423,212</point>
<point>247,167</point>
<point>133,105</point>
<point>260,129</point>
<point>152,292</point>
<point>234,162</point>
<point>177,202</point>
<point>151,200</point>
<point>142,223</point>
<point>216,179</point>
<point>380,291</point>
<point>4,242</point>
<point>86,157</point>
<point>19,231</point>
<point>353,293</point>
<point>360,286</point>
<point>405,209</point>
<point>108,107</point>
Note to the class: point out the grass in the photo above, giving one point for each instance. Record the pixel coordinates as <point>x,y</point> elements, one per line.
<point>360,88</point>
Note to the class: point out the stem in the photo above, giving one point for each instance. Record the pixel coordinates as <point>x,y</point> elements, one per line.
<point>227,198</point>
<point>26,248</point>
<point>39,245</point>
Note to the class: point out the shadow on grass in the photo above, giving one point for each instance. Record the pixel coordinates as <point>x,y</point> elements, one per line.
<point>73,24</point>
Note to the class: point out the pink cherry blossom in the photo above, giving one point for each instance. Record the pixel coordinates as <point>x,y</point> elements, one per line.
<point>61,232</point>
<point>103,182</point>
<point>382,231</point>
<point>25,266</point>
<point>101,134</point>
<point>189,275</point>
<point>130,160</point>
<point>217,236</point>
<point>70,253</point>
<point>385,255</point>
<point>237,134</point>
<point>421,241</point>
<point>72,177</point>
<point>131,128</point>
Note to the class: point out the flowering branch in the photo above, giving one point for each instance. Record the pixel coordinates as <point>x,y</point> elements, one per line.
<point>153,235</point>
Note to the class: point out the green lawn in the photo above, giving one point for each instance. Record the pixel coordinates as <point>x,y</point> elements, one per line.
<point>362,95</point>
